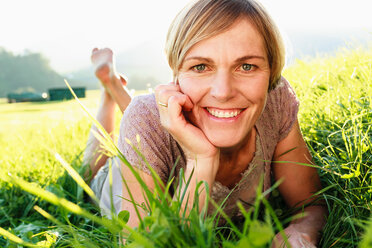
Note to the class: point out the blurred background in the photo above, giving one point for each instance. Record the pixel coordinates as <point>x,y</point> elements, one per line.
<point>43,42</point>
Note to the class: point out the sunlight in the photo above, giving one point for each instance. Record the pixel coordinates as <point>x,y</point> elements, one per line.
<point>67,31</point>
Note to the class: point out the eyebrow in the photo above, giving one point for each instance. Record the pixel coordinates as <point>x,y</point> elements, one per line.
<point>248,57</point>
<point>244,58</point>
<point>198,58</point>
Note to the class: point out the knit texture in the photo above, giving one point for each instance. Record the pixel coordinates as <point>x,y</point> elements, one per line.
<point>141,119</point>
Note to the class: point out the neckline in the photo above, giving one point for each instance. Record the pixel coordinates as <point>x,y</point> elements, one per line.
<point>251,166</point>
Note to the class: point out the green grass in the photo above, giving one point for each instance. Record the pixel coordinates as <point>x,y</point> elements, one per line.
<point>335,116</point>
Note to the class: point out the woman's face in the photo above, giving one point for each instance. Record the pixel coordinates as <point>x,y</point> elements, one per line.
<point>227,79</point>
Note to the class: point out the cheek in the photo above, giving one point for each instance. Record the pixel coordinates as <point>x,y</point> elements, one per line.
<point>260,92</point>
<point>190,87</point>
<point>260,98</point>
<point>255,93</point>
<point>260,88</point>
<point>185,85</point>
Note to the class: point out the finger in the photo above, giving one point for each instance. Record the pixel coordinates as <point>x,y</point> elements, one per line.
<point>169,86</point>
<point>164,95</point>
<point>183,101</point>
<point>187,104</point>
<point>176,118</point>
<point>163,91</point>
<point>170,110</point>
<point>177,86</point>
<point>305,241</point>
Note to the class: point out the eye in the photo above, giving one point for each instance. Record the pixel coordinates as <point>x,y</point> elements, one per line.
<point>247,67</point>
<point>199,68</point>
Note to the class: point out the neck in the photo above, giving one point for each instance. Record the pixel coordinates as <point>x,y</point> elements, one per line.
<point>235,161</point>
<point>233,153</point>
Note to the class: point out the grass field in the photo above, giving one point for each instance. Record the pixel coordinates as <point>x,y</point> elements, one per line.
<point>335,116</point>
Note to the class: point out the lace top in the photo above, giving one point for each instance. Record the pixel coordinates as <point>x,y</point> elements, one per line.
<point>245,190</point>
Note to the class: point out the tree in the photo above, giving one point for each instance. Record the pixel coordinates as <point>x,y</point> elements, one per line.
<point>29,70</point>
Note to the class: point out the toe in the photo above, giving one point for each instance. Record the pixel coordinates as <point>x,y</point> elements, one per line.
<point>123,80</point>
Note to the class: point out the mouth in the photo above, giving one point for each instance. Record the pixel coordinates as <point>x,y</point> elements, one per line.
<point>224,113</point>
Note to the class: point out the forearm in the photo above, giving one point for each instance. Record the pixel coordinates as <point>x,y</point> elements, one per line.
<point>312,222</point>
<point>92,154</point>
<point>119,93</point>
<point>197,171</point>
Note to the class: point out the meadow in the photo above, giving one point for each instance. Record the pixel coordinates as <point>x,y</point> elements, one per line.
<point>43,204</point>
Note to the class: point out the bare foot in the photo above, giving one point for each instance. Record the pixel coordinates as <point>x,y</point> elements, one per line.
<point>104,66</point>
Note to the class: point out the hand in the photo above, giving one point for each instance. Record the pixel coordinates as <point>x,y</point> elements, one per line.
<point>296,239</point>
<point>193,141</point>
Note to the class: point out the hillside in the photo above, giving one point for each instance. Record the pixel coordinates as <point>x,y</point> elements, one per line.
<point>27,72</point>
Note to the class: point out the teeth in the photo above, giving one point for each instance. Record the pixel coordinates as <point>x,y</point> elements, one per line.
<point>223,114</point>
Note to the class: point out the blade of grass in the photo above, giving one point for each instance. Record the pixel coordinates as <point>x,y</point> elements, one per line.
<point>16,239</point>
<point>77,178</point>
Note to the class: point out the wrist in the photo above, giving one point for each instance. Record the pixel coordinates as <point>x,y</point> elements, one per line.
<point>311,223</point>
<point>203,158</point>
<point>203,166</point>
<point>310,234</point>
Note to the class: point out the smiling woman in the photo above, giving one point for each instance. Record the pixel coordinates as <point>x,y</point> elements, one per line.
<point>230,90</point>
<point>225,120</point>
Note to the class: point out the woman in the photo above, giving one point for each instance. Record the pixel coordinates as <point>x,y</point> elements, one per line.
<point>227,114</point>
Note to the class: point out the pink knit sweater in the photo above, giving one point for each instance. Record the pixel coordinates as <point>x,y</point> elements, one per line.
<point>162,151</point>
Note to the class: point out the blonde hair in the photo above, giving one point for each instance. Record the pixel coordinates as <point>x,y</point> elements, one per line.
<point>204,19</point>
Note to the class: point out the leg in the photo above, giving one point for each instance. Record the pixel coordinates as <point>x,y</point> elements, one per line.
<point>113,93</point>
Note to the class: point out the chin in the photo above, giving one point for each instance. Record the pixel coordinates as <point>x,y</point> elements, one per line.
<point>225,140</point>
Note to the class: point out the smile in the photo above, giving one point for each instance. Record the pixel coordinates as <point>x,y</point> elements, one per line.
<point>219,113</point>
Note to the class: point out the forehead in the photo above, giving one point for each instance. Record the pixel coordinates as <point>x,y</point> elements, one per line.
<point>241,38</point>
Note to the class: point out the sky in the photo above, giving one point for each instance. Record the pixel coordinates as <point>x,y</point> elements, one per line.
<point>66,31</point>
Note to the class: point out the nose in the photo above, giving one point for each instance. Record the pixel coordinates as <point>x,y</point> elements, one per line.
<point>222,88</point>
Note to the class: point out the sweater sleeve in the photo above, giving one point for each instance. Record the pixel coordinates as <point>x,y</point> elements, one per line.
<point>141,128</point>
<point>288,108</point>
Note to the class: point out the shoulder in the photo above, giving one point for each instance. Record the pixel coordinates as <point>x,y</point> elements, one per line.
<point>141,126</point>
<point>281,102</point>
<point>278,116</point>
<point>141,114</point>
<point>140,118</point>
<point>282,94</point>
<point>142,106</point>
